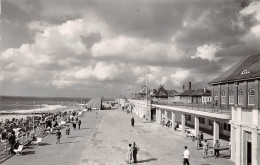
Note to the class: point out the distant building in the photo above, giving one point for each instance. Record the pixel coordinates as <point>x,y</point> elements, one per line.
<point>195,96</point>
<point>165,94</point>
<point>161,93</point>
<point>238,89</point>
<point>142,93</point>
<point>173,95</point>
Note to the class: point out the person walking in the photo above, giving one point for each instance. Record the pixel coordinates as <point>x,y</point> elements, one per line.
<point>215,104</point>
<point>79,123</point>
<point>74,124</point>
<point>216,149</point>
<point>201,136</point>
<point>186,156</point>
<point>68,131</point>
<point>132,121</point>
<point>135,150</point>
<point>205,148</point>
<point>129,154</point>
<point>58,134</point>
<point>229,146</point>
<point>198,141</point>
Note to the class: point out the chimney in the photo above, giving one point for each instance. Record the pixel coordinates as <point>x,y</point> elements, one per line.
<point>205,90</point>
<point>183,87</point>
<point>189,85</point>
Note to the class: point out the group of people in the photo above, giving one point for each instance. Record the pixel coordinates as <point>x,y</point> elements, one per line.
<point>67,130</point>
<point>132,153</point>
<point>204,144</point>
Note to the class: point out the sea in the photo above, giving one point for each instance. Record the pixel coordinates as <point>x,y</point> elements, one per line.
<point>21,104</point>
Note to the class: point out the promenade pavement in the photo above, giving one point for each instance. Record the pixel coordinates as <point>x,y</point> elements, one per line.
<point>104,140</point>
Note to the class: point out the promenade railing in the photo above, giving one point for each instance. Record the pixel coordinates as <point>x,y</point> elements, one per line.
<point>25,138</point>
<point>205,107</point>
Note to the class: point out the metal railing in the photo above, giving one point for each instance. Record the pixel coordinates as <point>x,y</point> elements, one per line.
<point>205,107</point>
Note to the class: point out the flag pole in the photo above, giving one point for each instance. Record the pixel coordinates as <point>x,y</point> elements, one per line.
<point>146,84</point>
<point>33,114</point>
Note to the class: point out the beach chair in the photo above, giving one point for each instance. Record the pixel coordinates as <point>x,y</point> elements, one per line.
<point>39,140</point>
<point>19,150</point>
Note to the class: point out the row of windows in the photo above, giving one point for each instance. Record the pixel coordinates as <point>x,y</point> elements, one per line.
<point>251,97</point>
<point>227,126</point>
<point>206,99</point>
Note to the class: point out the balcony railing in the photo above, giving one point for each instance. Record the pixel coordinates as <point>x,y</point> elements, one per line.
<point>205,107</point>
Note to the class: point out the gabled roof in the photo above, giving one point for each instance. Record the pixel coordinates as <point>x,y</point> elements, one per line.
<point>247,68</point>
<point>143,90</point>
<point>172,92</point>
<point>161,92</point>
<point>187,93</point>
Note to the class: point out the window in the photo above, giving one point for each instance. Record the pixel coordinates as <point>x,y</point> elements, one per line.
<point>210,122</point>
<point>201,120</point>
<point>251,97</point>
<point>231,97</point>
<point>245,71</point>
<point>240,97</point>
<point>227,127</point>
<point>223,97</point>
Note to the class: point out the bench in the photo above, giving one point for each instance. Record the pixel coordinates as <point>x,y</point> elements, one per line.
<point>19,150</point>
<point>37,142</point>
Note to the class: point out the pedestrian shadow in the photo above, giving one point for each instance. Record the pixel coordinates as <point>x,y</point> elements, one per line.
<point>75,136</point>
<point>208,139</point>
<point>44,144</point>
<point>84,128</point>
<point>28,152</point>
<point>226,156</point>
<point>147,160</point>
<point>68,142</point>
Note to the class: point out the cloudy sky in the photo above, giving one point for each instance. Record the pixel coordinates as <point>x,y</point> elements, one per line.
<point>85,48</point>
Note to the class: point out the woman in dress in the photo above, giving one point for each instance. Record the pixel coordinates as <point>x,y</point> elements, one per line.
<point>129,154</point>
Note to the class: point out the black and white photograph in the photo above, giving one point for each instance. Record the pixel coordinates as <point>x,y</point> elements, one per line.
<point>117,82</point>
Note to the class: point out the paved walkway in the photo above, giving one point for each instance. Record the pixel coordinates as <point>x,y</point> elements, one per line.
<point>104,140</point>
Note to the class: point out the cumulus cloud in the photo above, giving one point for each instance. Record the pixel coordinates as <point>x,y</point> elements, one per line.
<point>96,44</point>
<point>207,52</point>
<point>135,48</point>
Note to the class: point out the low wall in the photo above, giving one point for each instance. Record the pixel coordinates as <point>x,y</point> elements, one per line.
<point>141,108</point>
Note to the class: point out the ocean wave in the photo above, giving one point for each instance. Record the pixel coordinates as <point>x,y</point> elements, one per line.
<point>44,108</point>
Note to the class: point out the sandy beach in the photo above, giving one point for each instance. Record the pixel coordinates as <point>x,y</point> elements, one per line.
<point>24,113</point>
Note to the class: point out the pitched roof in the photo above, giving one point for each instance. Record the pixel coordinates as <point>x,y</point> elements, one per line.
<point>200,92</point>
<point>172,92</point>
<point>247,68</point>
<point>143,90</point>
<point>187,92</point>
<point>160,92</point>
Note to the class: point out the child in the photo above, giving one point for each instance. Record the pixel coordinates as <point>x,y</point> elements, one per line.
<point>68,130</point>
<point>58,136</point>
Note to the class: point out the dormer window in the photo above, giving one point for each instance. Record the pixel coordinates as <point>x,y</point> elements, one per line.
<point>245,71</point>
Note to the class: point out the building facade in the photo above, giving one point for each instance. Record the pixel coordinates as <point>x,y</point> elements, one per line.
<point>238,90</point>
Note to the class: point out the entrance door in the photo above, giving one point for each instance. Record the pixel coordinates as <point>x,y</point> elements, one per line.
<point>249,155</point>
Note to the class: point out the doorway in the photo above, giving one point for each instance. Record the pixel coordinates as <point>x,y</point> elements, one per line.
<point>249,154</point>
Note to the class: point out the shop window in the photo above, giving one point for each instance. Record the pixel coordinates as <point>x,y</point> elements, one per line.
<point>223,97</point>
<point>231,97</point>
<point>251,97</point>
<point>240,97</point>
<point>227,127</point>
